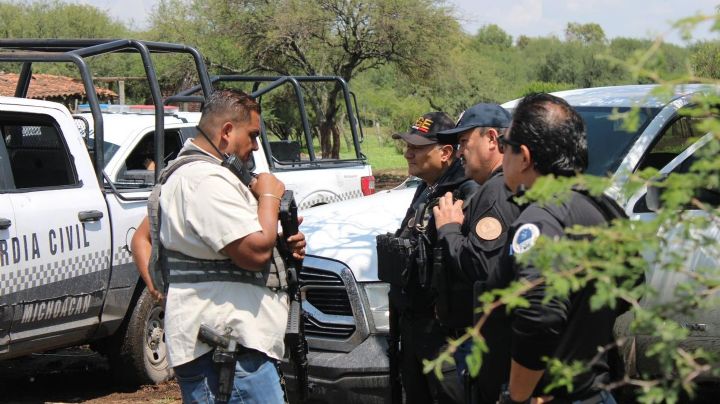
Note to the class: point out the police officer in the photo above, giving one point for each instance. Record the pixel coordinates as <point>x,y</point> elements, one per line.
<point>210,219</point>
<point>421,336</point>
<point>547,136</point>
<point>473,241</point>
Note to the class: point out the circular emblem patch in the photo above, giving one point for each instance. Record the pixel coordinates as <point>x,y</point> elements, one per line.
<point>411,223</point>
<point>525,238</point>
<point>488,228</point>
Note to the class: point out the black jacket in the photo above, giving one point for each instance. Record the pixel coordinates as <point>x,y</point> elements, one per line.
<point>473,251</point>
<point>413,298</point>
<point>565,329</point>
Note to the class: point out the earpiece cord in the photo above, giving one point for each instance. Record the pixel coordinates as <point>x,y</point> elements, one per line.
<point>202,132</point>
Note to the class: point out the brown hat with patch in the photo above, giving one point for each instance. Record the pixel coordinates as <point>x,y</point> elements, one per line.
<point>424,130</point>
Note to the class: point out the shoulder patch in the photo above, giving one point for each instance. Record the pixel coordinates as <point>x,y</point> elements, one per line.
<point>524,238</point>
<point>488,228</point>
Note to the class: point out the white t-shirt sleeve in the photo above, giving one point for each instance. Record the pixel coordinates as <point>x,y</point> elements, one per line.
<point>221,211</point>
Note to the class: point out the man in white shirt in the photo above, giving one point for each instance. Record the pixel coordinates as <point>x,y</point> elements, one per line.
<point>208,214</point>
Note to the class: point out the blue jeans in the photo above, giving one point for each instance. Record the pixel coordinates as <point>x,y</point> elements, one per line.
<point>256,380</point>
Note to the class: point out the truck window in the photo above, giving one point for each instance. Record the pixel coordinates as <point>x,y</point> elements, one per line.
<point>680,134</point>
<point>608,141</point>
<point>139,167</point>
<point>37,154</point>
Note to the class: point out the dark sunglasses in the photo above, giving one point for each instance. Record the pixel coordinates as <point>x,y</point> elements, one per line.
<point>504,141</point>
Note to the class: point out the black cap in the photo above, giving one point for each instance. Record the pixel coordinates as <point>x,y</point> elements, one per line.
<point>477,116</point>
<point>424,130</point>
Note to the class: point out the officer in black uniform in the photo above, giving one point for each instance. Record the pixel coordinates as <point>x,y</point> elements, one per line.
<point>547,136</point>
<point>412,300</point>
<point>473,242</point>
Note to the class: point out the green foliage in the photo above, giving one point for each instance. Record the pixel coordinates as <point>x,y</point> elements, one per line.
<point>492,35</point>
<point>585,33</point>
<point>55,19</point>
<point>545,87</point>
<point>705,59</point>
<point>321,37</point>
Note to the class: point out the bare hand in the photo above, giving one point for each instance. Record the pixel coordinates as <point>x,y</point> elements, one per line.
<point>448,211</point>
<point>297,243</point>
<point>266,183</point>
<point>156,295</point>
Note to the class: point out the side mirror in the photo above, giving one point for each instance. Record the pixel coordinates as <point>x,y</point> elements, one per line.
<point>652,198</point>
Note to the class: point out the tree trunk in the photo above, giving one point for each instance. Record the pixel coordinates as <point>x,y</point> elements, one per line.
<point>326,139</point>
<point>336,142</point>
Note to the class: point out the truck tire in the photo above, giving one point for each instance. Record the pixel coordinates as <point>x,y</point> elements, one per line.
<point>140,356</point>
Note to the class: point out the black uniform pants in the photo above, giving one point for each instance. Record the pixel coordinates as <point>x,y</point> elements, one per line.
<point>422,337</point>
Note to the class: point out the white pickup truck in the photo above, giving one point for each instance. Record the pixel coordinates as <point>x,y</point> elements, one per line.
<point>72,191</point>
<point>129,144</point>
<point>347,306</point>
<point>66,275</point>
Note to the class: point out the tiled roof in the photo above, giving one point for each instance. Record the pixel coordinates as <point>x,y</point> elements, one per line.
<point>43,86</point>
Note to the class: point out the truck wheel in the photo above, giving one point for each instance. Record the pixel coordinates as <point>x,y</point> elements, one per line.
<point>140,357</point>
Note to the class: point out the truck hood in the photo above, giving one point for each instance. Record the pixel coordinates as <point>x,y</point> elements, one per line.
<point>345,231</point>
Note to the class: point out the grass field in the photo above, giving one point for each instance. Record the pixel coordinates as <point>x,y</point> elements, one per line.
<point>381,155</point>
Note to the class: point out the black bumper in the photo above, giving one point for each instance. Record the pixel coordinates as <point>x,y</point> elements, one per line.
<point>358,376</point>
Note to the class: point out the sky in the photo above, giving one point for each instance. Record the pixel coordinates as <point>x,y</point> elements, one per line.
<point>626,18</point>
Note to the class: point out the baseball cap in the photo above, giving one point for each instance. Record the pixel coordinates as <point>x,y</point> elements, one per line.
<point>424,130</point>
<point>478,116</point>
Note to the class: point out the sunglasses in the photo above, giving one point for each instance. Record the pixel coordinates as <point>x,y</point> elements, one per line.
<point>504,141</point>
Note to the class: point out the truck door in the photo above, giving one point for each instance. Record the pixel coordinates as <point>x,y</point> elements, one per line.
<point>62,232</point>
<point>7,235</point>
<point>696,243</point>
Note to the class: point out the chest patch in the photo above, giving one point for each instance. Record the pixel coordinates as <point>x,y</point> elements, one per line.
<point>525,238</point>
<point>488,228</point>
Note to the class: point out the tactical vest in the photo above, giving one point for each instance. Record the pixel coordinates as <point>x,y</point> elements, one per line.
<point>409,255</point>
<point>167,266</point>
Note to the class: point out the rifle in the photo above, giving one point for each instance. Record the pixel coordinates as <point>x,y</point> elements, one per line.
<point>394,354</point>
<point>225,354</point>
<point>295,334</point>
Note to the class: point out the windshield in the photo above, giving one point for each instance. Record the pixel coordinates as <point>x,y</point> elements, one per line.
<point>109,149</point>
<point>608,141</point>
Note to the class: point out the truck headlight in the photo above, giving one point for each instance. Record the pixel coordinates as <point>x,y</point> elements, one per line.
<point>377,296</point>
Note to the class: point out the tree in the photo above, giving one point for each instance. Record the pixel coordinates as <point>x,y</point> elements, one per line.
<point>705,59</point>
<point>493,35</point>
<point>54,19</point>
<point>328,37</point>
<point>584,33</point>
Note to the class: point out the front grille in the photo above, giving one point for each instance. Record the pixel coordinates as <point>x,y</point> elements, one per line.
<point>325,291</point>
<point>315,277</point>
<point>317,328</point>
<point>330,301</point>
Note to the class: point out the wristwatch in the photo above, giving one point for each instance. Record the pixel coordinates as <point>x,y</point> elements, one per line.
<point>505,398</point>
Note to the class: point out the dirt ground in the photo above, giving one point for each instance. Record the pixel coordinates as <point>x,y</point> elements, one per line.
<point>74,375</point>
